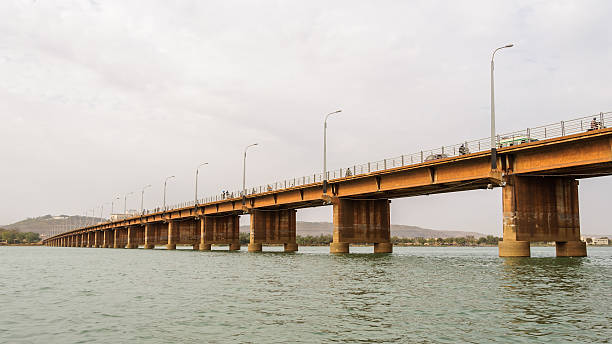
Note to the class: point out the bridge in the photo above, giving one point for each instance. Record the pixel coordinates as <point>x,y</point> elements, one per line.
<point>537,168</point>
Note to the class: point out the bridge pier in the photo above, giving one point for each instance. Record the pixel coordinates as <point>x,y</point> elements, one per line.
<point>541,209</point>
<point>273,227</point>
<point>171,245</point>
<point>220,230</point>
<point>149,240</point>
<point>361,221</point>
<point>131,238</point>
<point>104,235</point>
<point>116,237</point>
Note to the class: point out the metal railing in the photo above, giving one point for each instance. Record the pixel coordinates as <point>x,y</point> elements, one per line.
<point>559,129</point>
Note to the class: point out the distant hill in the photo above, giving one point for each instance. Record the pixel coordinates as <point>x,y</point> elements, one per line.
<point>49,223</point>
<point>402,231</point>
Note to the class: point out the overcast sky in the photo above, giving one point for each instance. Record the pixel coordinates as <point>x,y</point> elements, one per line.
<point>99,98</point>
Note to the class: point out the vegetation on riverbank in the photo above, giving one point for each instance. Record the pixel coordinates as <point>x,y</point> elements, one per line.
<point>8,236</point>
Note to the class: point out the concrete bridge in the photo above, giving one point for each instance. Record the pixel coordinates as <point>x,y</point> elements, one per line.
<point>538,169</point>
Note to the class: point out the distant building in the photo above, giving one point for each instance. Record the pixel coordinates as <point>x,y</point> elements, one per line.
<point>600,241</point>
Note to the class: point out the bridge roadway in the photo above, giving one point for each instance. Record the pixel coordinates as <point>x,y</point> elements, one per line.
<point>539,200</point>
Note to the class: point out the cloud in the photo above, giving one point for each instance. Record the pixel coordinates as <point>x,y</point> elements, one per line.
<point>101,98</point>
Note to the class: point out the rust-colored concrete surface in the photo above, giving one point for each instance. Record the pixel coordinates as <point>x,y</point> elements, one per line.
<point>273,227</point>
<point>220,230</point>
<point>361,221</point>
<point>571,249</point>
<point>513,248</point>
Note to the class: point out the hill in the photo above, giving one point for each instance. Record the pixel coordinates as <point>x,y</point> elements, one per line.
<point>402,231</point>
<point>50,223</point>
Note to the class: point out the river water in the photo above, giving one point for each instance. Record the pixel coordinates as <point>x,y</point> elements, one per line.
<point>415,295</point>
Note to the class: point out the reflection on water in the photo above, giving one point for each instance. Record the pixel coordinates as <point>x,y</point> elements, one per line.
<point>420,295</point>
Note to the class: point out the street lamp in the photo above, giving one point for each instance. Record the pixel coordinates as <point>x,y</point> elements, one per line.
<point>493,140</point>
<point>196,181</point>
<point>165,183</point>
<point>125,202</point>
<point>244,172</point>
<point>113,205</point>
<point>142,197</point>
<point>325,150</point>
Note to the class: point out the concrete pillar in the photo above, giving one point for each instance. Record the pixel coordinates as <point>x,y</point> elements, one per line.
<point>204,246</point>
<point>82,240</point>
<point>540,209</point>
<point>220,230</point>
<point>571,249</point>
<point>116,237</point>
<point>148,237</point>
<point>171,236</point>
<point>273,227</point>
<point>131,238</point>
<point>361,221</point>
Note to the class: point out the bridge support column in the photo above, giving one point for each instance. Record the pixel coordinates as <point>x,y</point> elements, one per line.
<point>104,238</point>
<point>96,239</point>
<point>131,238</point>
<point>220,230</point>
<point>541,209</point>
<point>148,237</point>
<point>273,227</point>
<point>361,221</point>
<point>82,243</point>
<point>171,236</point>
<point>116,237</point>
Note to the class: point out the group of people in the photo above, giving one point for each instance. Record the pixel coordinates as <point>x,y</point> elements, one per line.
<point>226,194</point>
<point>595,124</point>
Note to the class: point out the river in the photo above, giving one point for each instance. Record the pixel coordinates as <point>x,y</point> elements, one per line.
<point>415,295</point>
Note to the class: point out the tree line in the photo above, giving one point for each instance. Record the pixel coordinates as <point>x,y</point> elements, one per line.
<point>15,237</point>
<point>326,239</point>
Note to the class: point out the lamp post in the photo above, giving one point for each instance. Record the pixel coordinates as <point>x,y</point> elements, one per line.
<point>325,150</point>
<point>244,172</point>
<point>196,181</point>
<point>125,202</point>
<point>113,205</point>
<point>166,183</point>
<point>493,140</point>
<point>142,198</point>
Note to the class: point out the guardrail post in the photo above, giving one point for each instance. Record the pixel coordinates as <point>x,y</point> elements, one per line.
<point>421,156</point>
<point>601,120</point>
<point>528,135</point>
<point>562,128</point>
<point>385,164</point>
<point>544,132</point>
<point>402,160</point>
<point>369,170</point>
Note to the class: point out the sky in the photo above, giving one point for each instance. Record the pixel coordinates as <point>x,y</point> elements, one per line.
<point>101,98</point>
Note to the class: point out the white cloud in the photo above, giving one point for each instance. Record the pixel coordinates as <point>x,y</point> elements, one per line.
<point>101,98</point>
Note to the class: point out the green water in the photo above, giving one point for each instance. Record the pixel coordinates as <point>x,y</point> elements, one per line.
<point>416,295</point>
